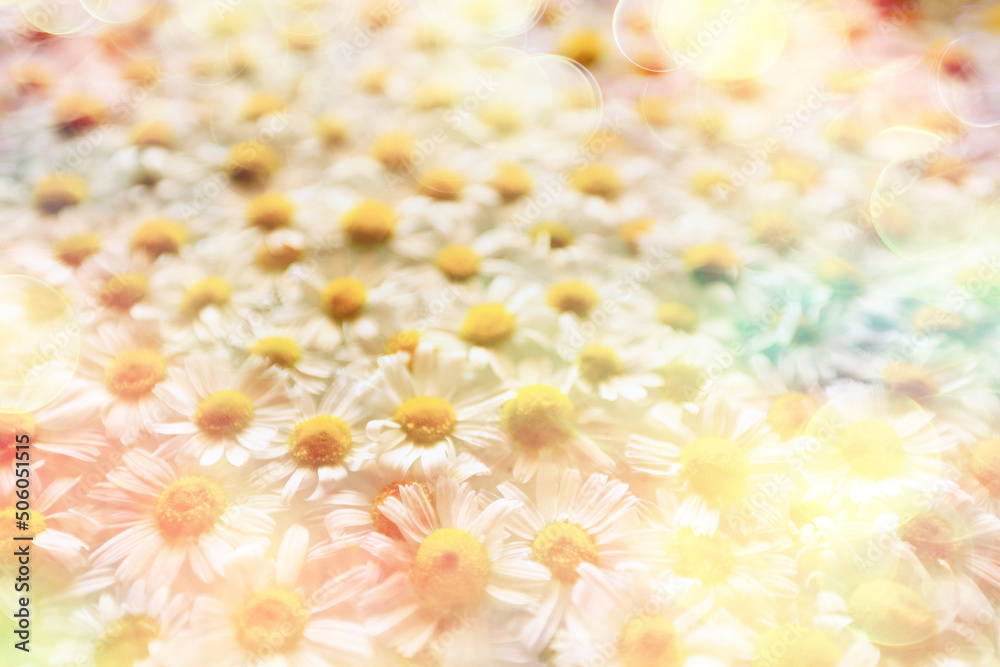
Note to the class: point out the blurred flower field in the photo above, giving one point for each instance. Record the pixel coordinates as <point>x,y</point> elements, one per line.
<point>458,333</point>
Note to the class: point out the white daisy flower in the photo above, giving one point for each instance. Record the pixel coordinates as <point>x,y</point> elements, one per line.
<point>268,613</point>
<point>873,445</point>
<point>646,626</point>
<point>132,623</point>
<point>451,567</point>
<point>221,411</point>
<point>752,576</point>
<point>435,403</point>
<point>128,364</point>
<point>721,465</point>
<point>583,532</point>
<point>495,325</point>
<point>167,517</point>
<point>321,446</point>
<point>284,348</point>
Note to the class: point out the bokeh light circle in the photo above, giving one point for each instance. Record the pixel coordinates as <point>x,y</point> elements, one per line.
<point>483,20</point>
<point>635,34</point>
<point>917,207</point>
<point>39,343</point>
<point>723,40</point>
<point>56,17</point>
<point>116,11</point>
<point>968,79</point>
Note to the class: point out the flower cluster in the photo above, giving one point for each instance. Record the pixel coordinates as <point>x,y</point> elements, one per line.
<point>503,333</point>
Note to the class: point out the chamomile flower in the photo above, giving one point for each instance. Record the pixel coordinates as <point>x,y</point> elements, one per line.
<point>167,520</point>
<point>874,445</point>
<point>583,532</point>
<point>133,623</point>
<point>451,566</point>
<point>220,411</point>
<point>611,364</point>
<point>751,576</point>
<point>268,612</point>
<point>647,626</point>
<point>429,405</point>
<point>321,446</point>
<point>283,347</point>
<point>720,462</point>
<point>128,365</point>
<point>494,324</point>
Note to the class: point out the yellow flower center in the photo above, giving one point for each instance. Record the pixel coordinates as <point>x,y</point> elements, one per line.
<point>599,363</point>
<point>124,290</point>
<point>450,570</point>
<point>54,192</point>
<point>503,119</point>
<point>270,211</point>
<point>279,351</point>
<point>891,614</point>
<point>426,419</point>
<point>709,183</point>
<point>403,341</point>
<point>709,262</point>
<point>441,183</point>
<point>151,133</point>
<point>12,426</point>
<point>560,236</point>
<point>986,465</point>
<point>78,112</point>
<point>573,296</point>
<point>433,95</point>
<point>331,130</point>
<point>260,104</point>
<point>457,262</point>
<point>272,256</point>
<point>270,621</point>
<point>134,373</point>
<point>678,316</point>
<point>932,538</point>
<point>716,468</point>
<point>790,413</point>
<point>487,325</point>
<point>682,382</point>
<point>774,228</point>
<point>369,222</point>
<point>649,641</point>
<point>585,46</point>
<point>598,180</point>
<point>210,291</point>
<point>189,506</point>
<point>561,546</point>
<point>159,236</point>
<point>511,181</point>
<point>343,298</point>
<point>872,449</point>
<point>395,150</point>
<point>391,490</point>
<point>74,249</point>
<point>539,416</point>
<point>226,412</point>
<point>126,641</point>
<point>320,441</point>
<point>794,645</point>
<point>251,163</point>
<point>909,380</point>
<point>632,232</point>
